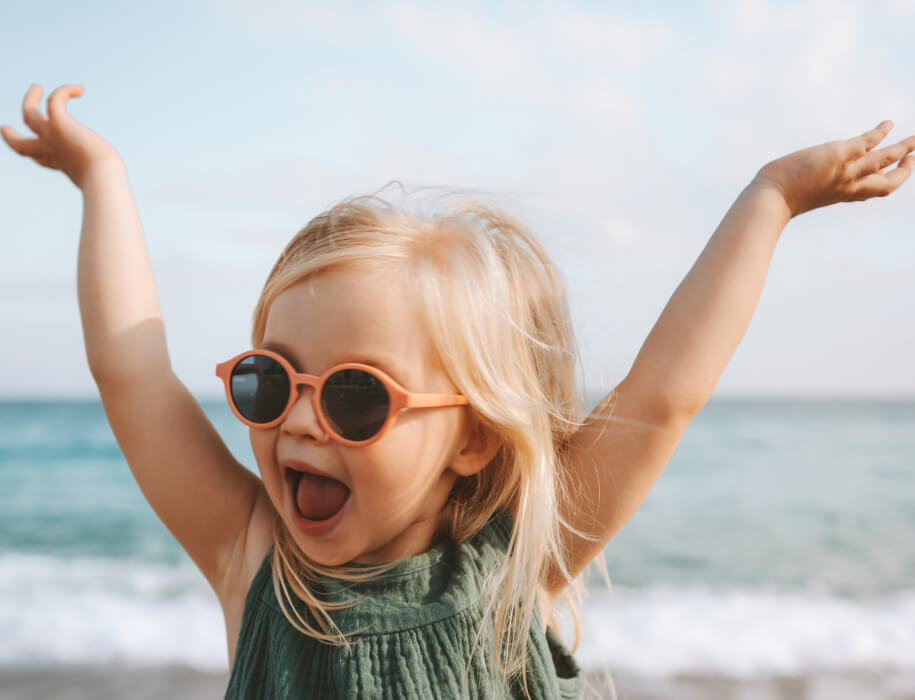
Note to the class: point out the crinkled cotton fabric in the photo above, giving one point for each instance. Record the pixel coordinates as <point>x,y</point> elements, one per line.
<point>414,636</point>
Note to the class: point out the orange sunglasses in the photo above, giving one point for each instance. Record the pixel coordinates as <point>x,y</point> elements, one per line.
<point>355,404</point>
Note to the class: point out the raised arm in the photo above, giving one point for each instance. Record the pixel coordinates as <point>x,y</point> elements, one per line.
<point>201,493</point>
<point>632,434</point>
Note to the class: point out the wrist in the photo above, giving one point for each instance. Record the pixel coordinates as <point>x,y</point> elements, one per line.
<point>769,188</point>
<point>101,169</point>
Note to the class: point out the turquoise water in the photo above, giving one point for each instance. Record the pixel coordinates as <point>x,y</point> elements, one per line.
<point>797,511</point>
<point>784,494</point>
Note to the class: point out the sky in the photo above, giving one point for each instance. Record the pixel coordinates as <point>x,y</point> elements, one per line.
<point>620,133</point>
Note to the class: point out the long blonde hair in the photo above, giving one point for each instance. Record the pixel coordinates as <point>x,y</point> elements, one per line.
<point>496,312</point>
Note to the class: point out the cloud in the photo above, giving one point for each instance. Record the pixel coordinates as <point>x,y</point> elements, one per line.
<point>621,137</point>
<point>632,134</point>
<point>902,9</point>
<point>546,82</point>
<point>811,69</point>
<point>600,93</point>
<point>531,54</point>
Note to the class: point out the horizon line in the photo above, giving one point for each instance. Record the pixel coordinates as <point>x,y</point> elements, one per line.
<point>730,396</point>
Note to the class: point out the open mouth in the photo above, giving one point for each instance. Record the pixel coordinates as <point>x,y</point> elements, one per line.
<point>316,498</point>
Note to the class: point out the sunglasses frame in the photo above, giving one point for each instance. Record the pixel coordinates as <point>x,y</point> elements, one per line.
<point>400,398</point>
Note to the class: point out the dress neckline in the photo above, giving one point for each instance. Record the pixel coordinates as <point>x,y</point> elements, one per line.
<point>445,580</point>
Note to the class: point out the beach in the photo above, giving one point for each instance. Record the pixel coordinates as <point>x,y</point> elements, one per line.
<point>177,683</point>
<point>100,682</point>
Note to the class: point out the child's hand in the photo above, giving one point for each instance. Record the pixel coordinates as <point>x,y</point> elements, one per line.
<point>840,171</point>
<point>63,143</point>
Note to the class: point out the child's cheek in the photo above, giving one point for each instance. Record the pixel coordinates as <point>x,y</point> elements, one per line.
<point>263,447</point>
<point>399,474</point>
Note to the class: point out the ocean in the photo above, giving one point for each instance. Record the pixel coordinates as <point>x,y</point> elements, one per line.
<point>778,544</point>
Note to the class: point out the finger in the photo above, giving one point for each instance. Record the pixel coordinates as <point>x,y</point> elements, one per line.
<point>31,147</point>
<point>901,172</point>
<point>22,145</point>
<point>882,158</point>
<point>57,109</point>
<point>866,141</point>
<point>882,184</point>
<point>31,114</point>
<point>9,135</point>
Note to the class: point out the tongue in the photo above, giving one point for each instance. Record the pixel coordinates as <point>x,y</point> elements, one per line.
<point>318,497</point>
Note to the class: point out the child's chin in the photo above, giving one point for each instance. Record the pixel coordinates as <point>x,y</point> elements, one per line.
<point>323,555</point>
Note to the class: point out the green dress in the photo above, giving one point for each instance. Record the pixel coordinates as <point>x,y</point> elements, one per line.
<point>416,640</point>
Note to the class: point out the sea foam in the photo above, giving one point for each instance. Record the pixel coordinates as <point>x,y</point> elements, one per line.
<point>662,631</point>
<point>98,611</point>
<point>56,611</point>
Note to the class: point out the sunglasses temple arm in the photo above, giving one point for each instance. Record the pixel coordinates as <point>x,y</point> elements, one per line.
<point>435,400</point>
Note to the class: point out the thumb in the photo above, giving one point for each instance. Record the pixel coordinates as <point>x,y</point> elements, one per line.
<point>57,102</point>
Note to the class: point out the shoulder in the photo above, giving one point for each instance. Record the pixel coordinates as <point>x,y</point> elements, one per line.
<point>245,565</point>
<point>256,543</point>
<point>259,538</point>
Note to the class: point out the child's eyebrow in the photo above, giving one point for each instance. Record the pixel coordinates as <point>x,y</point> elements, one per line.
<point>392,371</point>
<point>282,350</point>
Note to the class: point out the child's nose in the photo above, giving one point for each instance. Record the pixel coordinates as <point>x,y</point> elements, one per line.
<point>301,419</point>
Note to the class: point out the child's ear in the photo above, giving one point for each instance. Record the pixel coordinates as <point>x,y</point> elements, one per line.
<point>480,446</point>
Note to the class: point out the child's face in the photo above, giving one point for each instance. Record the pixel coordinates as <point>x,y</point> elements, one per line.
<point>398,485</point>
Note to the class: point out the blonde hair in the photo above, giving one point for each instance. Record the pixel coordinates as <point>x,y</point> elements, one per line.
<point>496,312</point>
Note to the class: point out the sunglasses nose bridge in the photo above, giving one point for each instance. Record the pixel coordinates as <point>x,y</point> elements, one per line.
<point>297,381</point>
<point>315,424</point>
<point>300,382</point>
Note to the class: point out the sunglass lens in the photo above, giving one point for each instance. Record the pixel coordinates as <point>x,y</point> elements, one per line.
<point>260,388</point>
<point>355,403</point>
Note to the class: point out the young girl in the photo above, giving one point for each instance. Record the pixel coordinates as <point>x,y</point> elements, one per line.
<point>428,488</point>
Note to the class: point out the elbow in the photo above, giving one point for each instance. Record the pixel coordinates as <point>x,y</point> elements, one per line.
<point>687,410</point>
<point>659,408</point>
